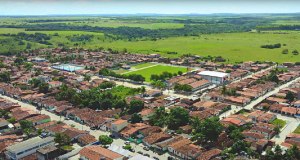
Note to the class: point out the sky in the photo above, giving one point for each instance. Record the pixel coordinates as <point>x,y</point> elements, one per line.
<point>48,7</point>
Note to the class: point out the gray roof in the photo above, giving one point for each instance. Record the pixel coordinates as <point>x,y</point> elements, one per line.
<point>4,123</point>
<point>28,142</point>
<point>47,149</point>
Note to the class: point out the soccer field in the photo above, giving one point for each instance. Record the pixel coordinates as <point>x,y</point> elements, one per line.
<point>147,72</point>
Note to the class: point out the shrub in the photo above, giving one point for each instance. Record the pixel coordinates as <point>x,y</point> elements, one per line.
<point>179,131</point>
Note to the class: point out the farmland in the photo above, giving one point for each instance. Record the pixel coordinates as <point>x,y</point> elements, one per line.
<point>158,69</point>
<point>234,47</point>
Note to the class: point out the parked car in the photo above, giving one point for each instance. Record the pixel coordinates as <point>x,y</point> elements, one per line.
<point>67,118</point>
<point>127,142</point>
<point>155,158</point>
<point>106,146</point>
<point>123,146</point>
<point>131,150</point>
<point>112,136</point>
<point>146,148</point>
<point>171,158</point>
<point>139,152</point>
<point>92,128</point>
<point>146,155</point>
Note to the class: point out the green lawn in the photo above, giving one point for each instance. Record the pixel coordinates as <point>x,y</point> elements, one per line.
<point>121,70</point>
<point>143,65</point>
<point>67,147</point>
<point>147,72</point>
<point>278,122</point>
<point>297,130</point>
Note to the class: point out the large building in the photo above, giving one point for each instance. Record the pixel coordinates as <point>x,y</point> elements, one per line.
<point>215,77</point>
<point>25,148</point>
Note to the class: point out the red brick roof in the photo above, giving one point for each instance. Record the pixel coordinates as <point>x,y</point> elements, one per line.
<point>87,139</point>
<point>96,152</point>
<point>209,154</point>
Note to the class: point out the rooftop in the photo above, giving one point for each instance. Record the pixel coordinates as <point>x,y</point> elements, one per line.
<point>28,142</point>
<point>213,74</point>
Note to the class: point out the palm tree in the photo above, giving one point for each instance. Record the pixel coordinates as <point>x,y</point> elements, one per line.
<point>224,90</point>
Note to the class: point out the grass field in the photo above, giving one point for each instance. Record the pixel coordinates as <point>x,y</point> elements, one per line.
<point>279,122</point>
<point>143,65</point>
<point>297,130</point>
<point>235,47</point>
<point>147,72</point>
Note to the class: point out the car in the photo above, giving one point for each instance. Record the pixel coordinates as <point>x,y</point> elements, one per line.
<point>131,150</point>
<point>106,146</point>
<point>139,152</point>
<point>146,155</point>
<point>155,158</point>
<point>92,128</point>
<point>87,130</point>
<point>127,142</point>
<point>123,146</point>
<point>67,118</point>
<point>112,136</point>
<point>146,148</point>
<point>171,158</point>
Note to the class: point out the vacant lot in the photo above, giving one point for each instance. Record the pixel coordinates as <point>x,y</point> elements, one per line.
<point>147,72</point>
<point>279,122</point>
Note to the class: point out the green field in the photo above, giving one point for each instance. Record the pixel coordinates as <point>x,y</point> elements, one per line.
<point>297,130</point>
<point>158,69</point>
<point>143,65</point>
<point>279,122</point>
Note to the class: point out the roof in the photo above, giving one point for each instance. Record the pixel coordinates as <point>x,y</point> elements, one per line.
<point>213,74</point>
<point>256,114</point>
<point>30,157</point>
<point>38,118</point>
<point>28,142</point>
<point>146,111</point>
<point>180,143</point>
<point>209,154</point>
<point>199,83</point>
<point>293,135</point>
<point>47,124</point>
<point>253,134</point>
<point>152,129</point>
<point>119,121</point>
<point>266,117</point>
<point>74,132</point>
<point>154,137</point>
<point>47,149</point>
<point>5,144</point>
<point>95,152</point>
<point>87,138</point>
<point>140,157</point>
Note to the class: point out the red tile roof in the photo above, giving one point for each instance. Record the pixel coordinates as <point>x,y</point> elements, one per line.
<point>209,154</point>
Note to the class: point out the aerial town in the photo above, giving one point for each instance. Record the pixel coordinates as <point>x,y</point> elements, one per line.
<point>77,108</point>
<point>149,80</point>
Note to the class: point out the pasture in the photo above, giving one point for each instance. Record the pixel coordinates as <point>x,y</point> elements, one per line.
<point>158,69</point>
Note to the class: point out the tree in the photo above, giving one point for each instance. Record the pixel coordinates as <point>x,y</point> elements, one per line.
<point>292,153</point>
<point>43,87</point>
<point>295,52</point>
<point>76,99</point>
<point>236,135</point>
<point>105,140</point>
<point>159,117</point>
<point>180,73</point>
<point>224,90</point>
<point>55,72</point>
<point>128,147</point>
<point>121,103</point>
<point>26,124</point>
<point>136,106</point>
<point>39,131</point>
<point>12,120</point>
<point>61,139</point>
<point>228,71</point>
<point>27,132</point>
<point>232,91</point>
<point>136,118</point>
<point>277,130</point>
<point>290,96</point>
<point>178,117</point>
<point>238,146</point>
<point>285,51</point>
<point>211,128</point>
<point>19,61</point>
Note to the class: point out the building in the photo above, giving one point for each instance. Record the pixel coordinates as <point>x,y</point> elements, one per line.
<point>5,126</point>
<point>118,125</point>
<point>95,152</point>
<point>47,153</point>
<point>215,77</point>
<point>25,148</point>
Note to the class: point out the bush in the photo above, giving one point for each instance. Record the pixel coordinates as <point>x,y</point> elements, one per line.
<point>127,147</point>
<point>285,51</point>
<point>179,131</point>
<point>67,147</point>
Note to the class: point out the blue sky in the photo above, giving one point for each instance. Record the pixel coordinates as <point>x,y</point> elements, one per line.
<point>46,7</point>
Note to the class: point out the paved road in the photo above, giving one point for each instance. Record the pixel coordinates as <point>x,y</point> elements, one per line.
<point>96,133</point>
<point>288,129</point>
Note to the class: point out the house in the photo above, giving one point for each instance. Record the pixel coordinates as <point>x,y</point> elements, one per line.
<point>74,133</point>
<point>175,146</point>
<point>46,125</point>
<point>47,152</point>
<point>199,84</point>
<point>267,117</point>
<point>86,139</point>
<point>227,121</point>
<point>267,132</point>
<point>57,128</point>
<point>5,126</point>
<point>209,154</point>
<point>147,131</point>
<point>187,129</point>
<point>293,136</point>
<point>253,135</point>
<point>153,93</point>
<point>189,151</point>
<point>96,152</point>
<point>254,115</point>
<point>118,125</point>
<point>156,137</point>
<point>54,84</point>
<point>39,119</point>
<point>146,113</point>
<point>289,111</point>
<point>154,55</point>
<point>28,147</point>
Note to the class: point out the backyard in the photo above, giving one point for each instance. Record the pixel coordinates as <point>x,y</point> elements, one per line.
<point>278,122</point>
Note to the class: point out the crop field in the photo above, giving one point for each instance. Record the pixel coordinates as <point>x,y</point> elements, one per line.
<point>158,69</point>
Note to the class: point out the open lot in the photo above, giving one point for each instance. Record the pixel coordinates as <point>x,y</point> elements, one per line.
<point>143,65</point>
<point>279,122</point>
<point>147,72</point>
